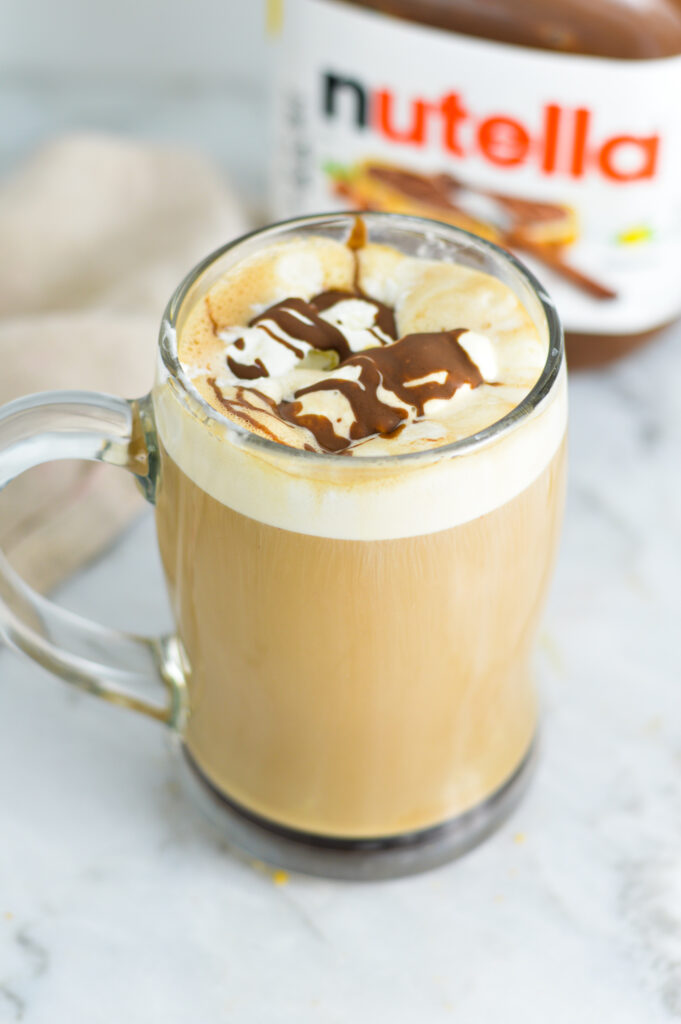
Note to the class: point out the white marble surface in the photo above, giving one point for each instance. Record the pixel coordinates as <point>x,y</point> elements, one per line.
<point>117,903</point>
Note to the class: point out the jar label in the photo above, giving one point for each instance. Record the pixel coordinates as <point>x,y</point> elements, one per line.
<point>572,162</point>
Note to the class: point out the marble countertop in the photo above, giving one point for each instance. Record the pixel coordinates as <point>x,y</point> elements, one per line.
<point>118,904</point>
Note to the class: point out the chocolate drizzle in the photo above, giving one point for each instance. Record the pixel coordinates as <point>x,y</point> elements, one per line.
<point>384,317</point>
<point>358,236</point>
<point>387,386</point>
<point>416,369</point>
<point>243,408</point>
<point>247,371</point>
<point>301,321</point>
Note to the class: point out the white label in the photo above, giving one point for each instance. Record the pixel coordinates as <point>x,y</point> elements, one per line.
<point>573,162</point>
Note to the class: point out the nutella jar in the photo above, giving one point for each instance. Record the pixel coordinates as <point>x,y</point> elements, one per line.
<point>551,127</point>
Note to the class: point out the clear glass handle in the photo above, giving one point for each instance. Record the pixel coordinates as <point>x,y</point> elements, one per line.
<point>143,673</point>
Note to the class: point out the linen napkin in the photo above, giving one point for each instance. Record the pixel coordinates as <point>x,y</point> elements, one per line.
<point>96,232</point>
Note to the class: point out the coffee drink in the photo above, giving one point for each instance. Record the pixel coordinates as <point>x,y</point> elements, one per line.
<point>357,513</point>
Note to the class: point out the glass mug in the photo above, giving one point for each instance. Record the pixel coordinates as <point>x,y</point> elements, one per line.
<point>349,682</point>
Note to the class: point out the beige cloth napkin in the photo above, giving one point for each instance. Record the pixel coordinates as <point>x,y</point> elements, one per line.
<point>96,233</point>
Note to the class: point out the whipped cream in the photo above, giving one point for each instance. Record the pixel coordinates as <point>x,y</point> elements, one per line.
<point>502,344</point>
<point>289,343</point>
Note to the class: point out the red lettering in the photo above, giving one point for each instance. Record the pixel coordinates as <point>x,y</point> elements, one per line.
<point>453,112</point>
<point>562,144</point>
<point>550,147</point>
<point>643,151</point>
<point>579,143</point>
<point>503,141</point>
<point>415,133</point>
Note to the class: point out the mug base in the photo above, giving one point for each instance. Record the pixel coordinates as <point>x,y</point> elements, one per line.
<point>354,859</point>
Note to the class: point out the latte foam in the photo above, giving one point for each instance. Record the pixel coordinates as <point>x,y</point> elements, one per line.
<point>330,350</point>
<point>367,351</point>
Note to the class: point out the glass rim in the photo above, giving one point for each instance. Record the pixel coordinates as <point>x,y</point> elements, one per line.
<point>463,446</point>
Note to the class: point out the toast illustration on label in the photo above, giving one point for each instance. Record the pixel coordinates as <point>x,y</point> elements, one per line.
<point>545,230</point>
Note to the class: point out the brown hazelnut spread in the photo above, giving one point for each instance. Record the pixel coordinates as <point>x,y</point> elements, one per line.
<point>549,128</point>
<point>608,28</point>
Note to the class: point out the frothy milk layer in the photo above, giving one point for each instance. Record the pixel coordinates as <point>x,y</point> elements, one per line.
<point>253,373</point>
<point>494,357</point>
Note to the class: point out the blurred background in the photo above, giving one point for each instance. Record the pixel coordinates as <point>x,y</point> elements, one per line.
<point>134,141</point>
<point>113,903</point>
<point>167,71</point>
